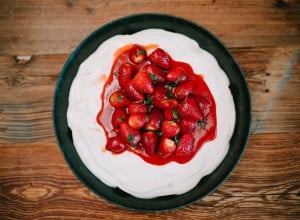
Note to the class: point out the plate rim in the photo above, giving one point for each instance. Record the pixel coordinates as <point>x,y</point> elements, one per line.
<point>74,54</point>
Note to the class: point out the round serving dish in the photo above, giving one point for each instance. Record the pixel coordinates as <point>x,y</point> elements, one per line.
<point>207,41</point>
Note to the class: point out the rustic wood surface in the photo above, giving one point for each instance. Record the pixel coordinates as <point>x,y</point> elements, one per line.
<point>36,38</point>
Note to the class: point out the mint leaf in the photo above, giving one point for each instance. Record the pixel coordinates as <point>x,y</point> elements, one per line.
<point>140,52</point>
<point>153,78</point>
<point>148,100</point>
<point>158,133</point>
<point>130,138</point>
<point>176,140</point>
<point>121,118</point>
<point>202,123</point>
<point>175,113</point>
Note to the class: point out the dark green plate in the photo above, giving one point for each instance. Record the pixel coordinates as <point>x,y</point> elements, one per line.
<point>207,41</point>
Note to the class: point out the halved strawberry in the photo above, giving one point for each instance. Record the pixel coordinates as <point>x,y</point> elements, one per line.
<point>166,147</point>
<point>204,104</point>
<point>129,135</point>
<point>119,116</point>
<point>149,142</point>
<point>118,99</point>
<point>137,107</point>
<point>125,73</point>
<point>185,145</point>
<point>184,90</point>
<point>115,145</point>
<point>155,74</point>
<point>160,98</point>
<point>137,54</point>
<point>177,75</point>
<point>169,129</point>
<point>173,103</point>
<point>132,92</point>
<point>160,58</point>
<point>137,120</point>
<point>189,109</point>
<point>187,126</point>
<point>170,113</point>
<point>155,120</point>
<point>143,83</point>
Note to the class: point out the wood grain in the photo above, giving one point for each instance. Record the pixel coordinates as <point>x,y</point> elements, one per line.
<point>36,38</point>
<point>26,93</point>
<point>274,80</point>
<point>56,27</point>
<point>38,186</point>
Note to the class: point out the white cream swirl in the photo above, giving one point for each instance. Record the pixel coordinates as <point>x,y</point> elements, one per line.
<point>128,171</point>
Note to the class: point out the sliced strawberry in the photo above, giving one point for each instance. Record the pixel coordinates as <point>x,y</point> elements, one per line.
<point>118,99</point>
<point>204,104</point>
<point>149,142</point>
<point>137,54</point>
<point>125,73</point>
<point>137,120</point>
<point>155,120</point>
<point>185,145</point>
<point>189,109</point>
<point>171,113</point>
<point>177,75</point>
<point>166,147</point>
<point>184,90</point>
<point>169,129</point>
<point>142,83</point>
<point>187,126</point>
<point>160,58</point>
<point>115,145</point>
<point>132,92</point>
<point>137,107</point>
<point>160,98</point>
<point>155,74</point>
<point>129,135</point>
<point>119,116</point>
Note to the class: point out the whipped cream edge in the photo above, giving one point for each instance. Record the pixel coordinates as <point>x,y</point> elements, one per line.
<point>128,171</point>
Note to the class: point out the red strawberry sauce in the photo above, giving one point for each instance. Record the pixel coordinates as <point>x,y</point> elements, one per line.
<point>203,134</point>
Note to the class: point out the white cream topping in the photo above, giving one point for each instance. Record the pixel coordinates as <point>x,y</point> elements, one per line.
<point>128,171</point>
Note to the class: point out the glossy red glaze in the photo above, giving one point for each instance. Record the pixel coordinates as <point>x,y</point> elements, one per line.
<point>201,135</point>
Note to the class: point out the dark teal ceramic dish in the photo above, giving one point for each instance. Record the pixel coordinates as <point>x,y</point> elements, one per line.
<point>207,41</point>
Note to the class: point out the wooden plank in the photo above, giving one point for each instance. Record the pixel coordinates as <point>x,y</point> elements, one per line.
<point>274,81</point>
<point>63,24</point>
<point>26,96</point>
<point>36,183</point>
<point>36,37</point>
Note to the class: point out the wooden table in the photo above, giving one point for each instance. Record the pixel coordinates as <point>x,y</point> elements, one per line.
<point>36,38</point>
